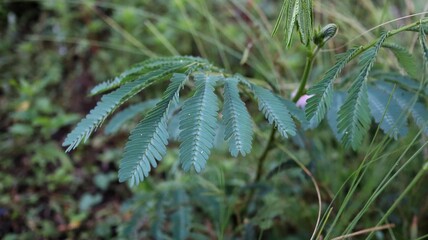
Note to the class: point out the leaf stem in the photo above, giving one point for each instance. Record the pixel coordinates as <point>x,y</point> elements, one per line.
<point>390,34</point>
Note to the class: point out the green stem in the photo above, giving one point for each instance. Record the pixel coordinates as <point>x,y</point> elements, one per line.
<point>311,56</point>
<point>306,72</point>
<point>260,162</point>
<point>263,156</point>
<point>390,34</point>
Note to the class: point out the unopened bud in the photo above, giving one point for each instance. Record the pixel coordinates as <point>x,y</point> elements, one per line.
<point>326,33</point>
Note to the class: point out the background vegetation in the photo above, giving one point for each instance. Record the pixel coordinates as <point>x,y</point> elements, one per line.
<point>53,52</point>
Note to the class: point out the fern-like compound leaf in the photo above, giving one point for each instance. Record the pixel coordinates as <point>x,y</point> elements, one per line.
<point>322,92</point>
<point>198,122</point>
<point>423,41</point>
<point>296,13</point>
<point>160,217</point>
<point>127,114</point>
<point>275,111</point>
<point>338,100</point>
<point>181,218</point>
<point>147,142</point>
<point>109,103</point>
<point>404,58</point>
<point>354,115</point>
<point>387,113</point>
<point>292,11</point>
<point>407,103</point>
<point>280,17</point>
<point>304,21</point>
<point>297,113</point>
<point>239,126</point>
<point>144,67</point>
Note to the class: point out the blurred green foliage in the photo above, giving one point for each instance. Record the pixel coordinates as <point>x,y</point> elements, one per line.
<point>51,54</point>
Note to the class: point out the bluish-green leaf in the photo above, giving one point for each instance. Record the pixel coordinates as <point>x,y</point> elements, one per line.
<point>423,41</point>
<point>147,142</point>
<point>405,58</point>
<point>127,114</point>
<point>198,122</point>
<point>158,220</point>
<point>239,126</point>
<point>338,100</point>
<point>297,113</point>
<point>304,21</point>
<point>387,112</point>
<point>182,216</point>
<point>275,111</point>
<point>404,82</point>
<point>280,17</point>
<point>292,11</point>
<point>108,104</point>
<point>322,92</point>
<point>354,115</point>
<point>407,102</point>
<point>139,69</point>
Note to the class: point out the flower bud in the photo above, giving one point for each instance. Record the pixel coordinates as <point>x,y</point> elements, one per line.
<point>326,33</point>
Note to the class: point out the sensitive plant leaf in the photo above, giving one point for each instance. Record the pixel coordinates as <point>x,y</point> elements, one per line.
<point>404,57</point>
<point>108,104</point>
<point>423,41</point>
<point>158,220</point>
<point>404,82</point>
<point>144,67</point>
<point>304,21</point>
<point>174,122</point>
<point>293,7</point>
<point>198,121</point>
<point>130,227</point>
<point>239,126</point>
<point>275,111</point>
<point>280,17</point>
<point>147,142</point>
<point>161,62</point>
<point>296,13</point>
<point>129,75</point>
<point>181,218</point>
<point>338,100</point>
<point>407,102</point>
<point>354,115</point>
<point>297,113</point>
<point>322,92</point>
<point>387,112</point>
<point>127,114</point>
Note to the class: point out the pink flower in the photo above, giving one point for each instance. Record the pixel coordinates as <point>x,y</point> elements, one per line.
<point>301,103</point>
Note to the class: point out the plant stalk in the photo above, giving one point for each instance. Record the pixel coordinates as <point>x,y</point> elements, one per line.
<point>306,73</point>
<point>263,156</point>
